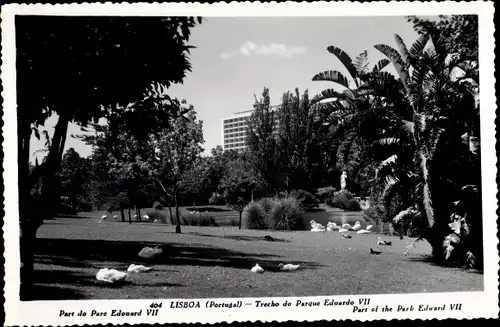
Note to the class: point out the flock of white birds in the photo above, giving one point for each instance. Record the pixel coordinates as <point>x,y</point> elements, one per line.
<point>112,275</point>
<point>115,217</point>
<point>345,228</point>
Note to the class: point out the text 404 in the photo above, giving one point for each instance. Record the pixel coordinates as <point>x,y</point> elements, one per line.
<point>155,305</point>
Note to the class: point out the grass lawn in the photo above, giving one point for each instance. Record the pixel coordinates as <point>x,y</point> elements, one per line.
<point>216,261</point>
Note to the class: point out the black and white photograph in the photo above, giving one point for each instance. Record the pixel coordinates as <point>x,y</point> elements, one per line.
<point>316,162</point>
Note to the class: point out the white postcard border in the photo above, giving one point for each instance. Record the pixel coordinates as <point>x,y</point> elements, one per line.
<point>474,304</point>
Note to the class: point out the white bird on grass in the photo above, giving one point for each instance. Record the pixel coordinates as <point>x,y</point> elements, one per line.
<point>149,253</point>
<point>346,235</point>
<point>363,231</point>
<point>317,227</point>
<point>288,267</point>
<point>346,226</point>
<point>115,217</point>
<point>369,227</point>
<point>145,217</point>
<point>331,226</point>
<point>357,226</point>
<point>257,269</point>
<point>343,230</point>
<point>135,217</point>
<point>138,268</point>
<point>380,241</point>
<point>103,218</point>
<point>110,275</point>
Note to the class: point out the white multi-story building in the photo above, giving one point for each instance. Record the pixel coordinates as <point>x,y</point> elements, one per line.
<point>234,130</point>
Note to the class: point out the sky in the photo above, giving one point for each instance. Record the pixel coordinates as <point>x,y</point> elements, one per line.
<point>235,58</point>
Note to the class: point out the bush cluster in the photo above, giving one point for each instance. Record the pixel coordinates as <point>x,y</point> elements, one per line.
<point>216,199</point>
<point>306,200</point>
<point>344,200</point>
<point>277,214</point>
<point>325,193</point>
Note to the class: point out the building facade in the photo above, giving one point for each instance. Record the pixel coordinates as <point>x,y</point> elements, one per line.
<point>234,130</point>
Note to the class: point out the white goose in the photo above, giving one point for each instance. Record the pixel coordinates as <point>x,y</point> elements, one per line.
<point>331,226</point>
<point>357,226</point>
<point>115,217</point>
<point>288,267</point>
<point>369,227</point>
<point>317,227</point>
<point>137,268</point>
<point>149,253</point>
<point>363,231</point>
<point>346,226</point>
<point>110,275</point>
<point>145,217</point>
<point>343,230</point>
<point>257,269</point>
<point>103,218</point>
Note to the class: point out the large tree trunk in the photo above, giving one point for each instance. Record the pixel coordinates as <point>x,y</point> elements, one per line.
<point>178,227</point>
<point>122,212</point>
<point>171,216</point>
<point>129,216</point>
<point>32,213</point>
<point>240,219</point>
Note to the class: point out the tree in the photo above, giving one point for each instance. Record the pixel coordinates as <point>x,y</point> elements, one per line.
<point>74,176</point>
<point>237,184</point>
<point>78,68</point>
<point>300,143</point>
<point>262,150</point>
<point>176,152</point>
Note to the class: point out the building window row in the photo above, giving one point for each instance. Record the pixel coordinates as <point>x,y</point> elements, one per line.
<point>231,135</point>
<point>239,139</point>
<point>234,120</point>
<point>235,145</point>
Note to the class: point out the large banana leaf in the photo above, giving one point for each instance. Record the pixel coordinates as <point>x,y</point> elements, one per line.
<point>405,55</point>
<point>398,63</point>
<point>361,63</point>
<point>329,94</point>
<point>345,60</point>
<point>332,76</point>
<point>418,46</point>
<point>380,65</point>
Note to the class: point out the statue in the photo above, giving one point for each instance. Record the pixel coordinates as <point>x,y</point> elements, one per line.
<point>343,180</point>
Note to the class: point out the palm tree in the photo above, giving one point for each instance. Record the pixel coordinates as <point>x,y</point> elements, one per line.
<point>354,114</point>
<point>436,99</point>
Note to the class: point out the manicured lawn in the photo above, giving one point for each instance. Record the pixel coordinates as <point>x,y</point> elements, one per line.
<point>216,262</point>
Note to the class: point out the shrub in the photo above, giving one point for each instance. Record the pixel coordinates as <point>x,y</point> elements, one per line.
<point>157,205</point>
<point>344,200</point>
<point>306,199</point>
<point>325,193</point>
<point>352,205</point>
<point>253,216</point>
<point>375,213</point>
<point>199,220</point>
<point>286,214</point>
<point>216,199</point>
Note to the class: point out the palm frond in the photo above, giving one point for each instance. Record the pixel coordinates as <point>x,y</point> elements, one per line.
<point>332,76</point>
<point>397,62</point>
<point>418,46</point>
<point>405,55</point>
<point>381,64</point>
<point>345,60</point>
<point>361,63</point>
<point>329,94</point>
<point>388,141</point>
